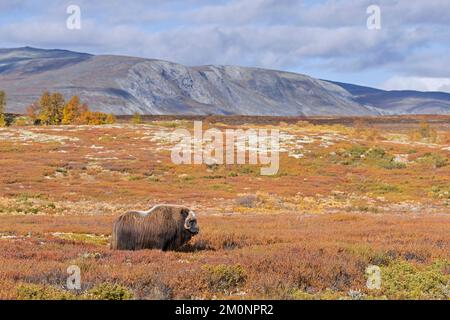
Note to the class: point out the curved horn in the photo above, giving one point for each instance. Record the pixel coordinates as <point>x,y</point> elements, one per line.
<point>190,216</point>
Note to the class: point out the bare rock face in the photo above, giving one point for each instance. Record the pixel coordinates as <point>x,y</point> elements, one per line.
<point>125,85</point>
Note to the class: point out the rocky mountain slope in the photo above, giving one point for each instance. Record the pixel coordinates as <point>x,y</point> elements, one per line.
<point>125,85</point>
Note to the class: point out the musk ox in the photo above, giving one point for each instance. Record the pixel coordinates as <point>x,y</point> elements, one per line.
<point>164,227</point>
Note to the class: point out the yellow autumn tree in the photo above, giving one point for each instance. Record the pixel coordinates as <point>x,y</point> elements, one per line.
<point>71,111</point>
<point>51,109</point>
<point>110,119</point>
<point>137,119</point>
<point>57,107</point>
<point>2,108</point>
<point>98,118</point>
<point>51,106</point>
<point>93,118</point>
<point>45,106</point>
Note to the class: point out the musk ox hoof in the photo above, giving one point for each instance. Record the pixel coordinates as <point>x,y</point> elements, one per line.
<point>164,227</point>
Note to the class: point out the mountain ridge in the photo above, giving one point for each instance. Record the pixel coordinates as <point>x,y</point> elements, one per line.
<point>125,85</point>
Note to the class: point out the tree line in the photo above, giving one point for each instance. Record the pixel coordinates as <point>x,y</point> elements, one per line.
<point>52,109</point>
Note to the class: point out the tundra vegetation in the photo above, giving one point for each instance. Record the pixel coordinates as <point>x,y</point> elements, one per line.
<point>349,193</point>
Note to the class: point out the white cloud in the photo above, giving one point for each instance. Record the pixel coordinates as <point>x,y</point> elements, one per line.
<point>417,83</point>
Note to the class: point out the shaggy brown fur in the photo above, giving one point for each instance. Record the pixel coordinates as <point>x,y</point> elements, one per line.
<point>164,227</point>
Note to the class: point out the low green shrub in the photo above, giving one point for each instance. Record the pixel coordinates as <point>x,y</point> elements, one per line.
<point>107,291</point>
<point>434,159</point>
<point>104,291</point>
<point>224,277</point>
<point>31,291</point>
<point>404,280</point>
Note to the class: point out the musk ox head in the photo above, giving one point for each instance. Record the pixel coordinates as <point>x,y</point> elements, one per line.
<point>190,223</point>
<point>164,227</point>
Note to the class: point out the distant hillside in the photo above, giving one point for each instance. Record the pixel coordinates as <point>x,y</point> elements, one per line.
<point>400,102</point>
<point>125,85</point>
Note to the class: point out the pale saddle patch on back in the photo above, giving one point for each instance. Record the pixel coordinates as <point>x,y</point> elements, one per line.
<point>146,213</point>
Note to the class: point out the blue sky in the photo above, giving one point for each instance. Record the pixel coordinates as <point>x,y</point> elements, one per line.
<point>326,39</point>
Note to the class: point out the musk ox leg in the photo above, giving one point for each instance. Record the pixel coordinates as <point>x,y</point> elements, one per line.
<point>170,244</point>
<point>166,245</point>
